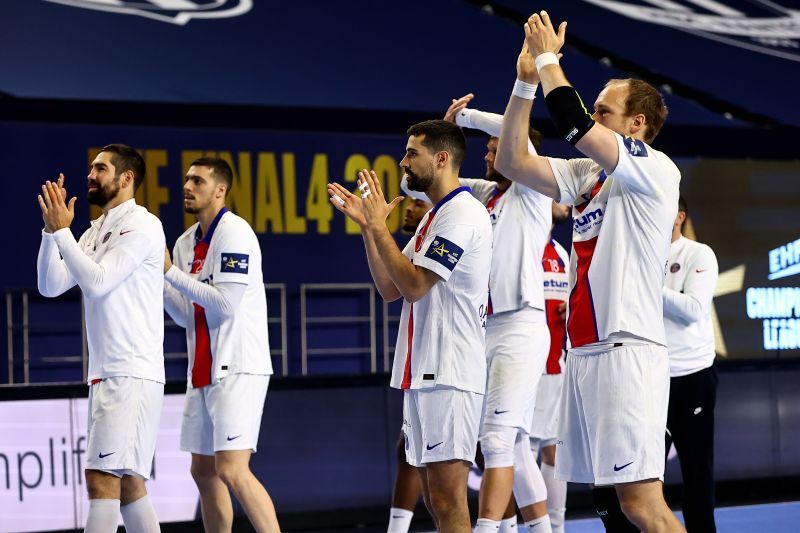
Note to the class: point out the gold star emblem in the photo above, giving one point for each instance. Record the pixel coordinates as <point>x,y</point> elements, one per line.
<point>441,250</point>
<point>231,263</point>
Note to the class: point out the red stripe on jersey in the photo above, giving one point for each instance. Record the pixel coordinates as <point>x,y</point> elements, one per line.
<point>555,320</point>
<point>557,327</point>
<point>406,383</point>
<point>494,199</point>
<point>582,324</point>
<point>596,189</point>
<point>201,367</point>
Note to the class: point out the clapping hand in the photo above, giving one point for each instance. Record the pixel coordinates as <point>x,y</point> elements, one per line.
<point>55,211</point>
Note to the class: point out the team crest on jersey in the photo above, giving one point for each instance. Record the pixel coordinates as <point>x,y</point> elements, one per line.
<point>444,252</point>
<point>759,25</point>
<point>173,11</point>
<point>674,267</point>
<point>237,263</point>
<point>635,147</point>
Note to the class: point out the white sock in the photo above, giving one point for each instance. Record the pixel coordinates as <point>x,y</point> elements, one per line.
<point>399,520</point>
<point>556,497</point>
<point>103,516</point>
<point>140,517</point>
<point>539,525</point>
<point>487,525</point>
<point>508,525</point>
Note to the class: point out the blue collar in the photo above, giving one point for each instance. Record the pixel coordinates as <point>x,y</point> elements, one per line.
<point>449,197</point>
<point>210,233</point>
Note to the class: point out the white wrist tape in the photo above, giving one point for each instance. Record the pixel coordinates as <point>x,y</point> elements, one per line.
<point>547,58</point>
<point>525,90</point>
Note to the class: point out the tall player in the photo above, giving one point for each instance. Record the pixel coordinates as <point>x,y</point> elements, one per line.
<point>442,276</point>
<point>625,196</point>
<point>118,264</point>
<point>517,337</point>
<point>216,291</point>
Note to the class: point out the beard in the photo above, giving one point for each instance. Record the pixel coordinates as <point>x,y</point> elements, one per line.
<point>419,182</point>
<point>495,176</point>
<point>103,193</point>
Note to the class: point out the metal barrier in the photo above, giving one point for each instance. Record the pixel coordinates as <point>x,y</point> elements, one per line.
<point>25,327</point>
<point>305,320</point>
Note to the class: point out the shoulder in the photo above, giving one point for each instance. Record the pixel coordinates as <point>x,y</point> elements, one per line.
<point>231,222</point>
<point>142,217</point>
<point>700,250</point>
<point>188,235</point>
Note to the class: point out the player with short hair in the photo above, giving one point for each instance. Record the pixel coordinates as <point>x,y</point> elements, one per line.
<point>688,301</point>
<point>517,338</point>
<point>216,291</point>
<point>118,264</point>
<point>624,196</point>
<point>442,275</point>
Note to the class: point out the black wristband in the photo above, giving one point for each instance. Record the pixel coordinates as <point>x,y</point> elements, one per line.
<point>568,113</point>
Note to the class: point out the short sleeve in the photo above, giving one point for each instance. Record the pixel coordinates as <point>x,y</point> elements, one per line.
<point>641,168</point>
<point>232,255</point>
<point>482,190</point>
<point>444,247</point>
<point>575,177</point>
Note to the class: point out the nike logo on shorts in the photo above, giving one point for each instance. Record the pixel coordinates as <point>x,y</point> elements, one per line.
<point>501,412</point>
<point>104,455</point>
<point>233,438</point>
<point>618,468</point>
<point>429,447</point>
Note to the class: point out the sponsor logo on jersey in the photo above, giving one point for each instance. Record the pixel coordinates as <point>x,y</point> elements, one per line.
<point>236,263</point>
<point>762,26</point>
<point>583,222</point>
<point>173,11</point>
<point>555,284</point>
<point>444,252</point>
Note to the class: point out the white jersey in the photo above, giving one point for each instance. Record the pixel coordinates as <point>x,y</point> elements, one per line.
<point>621,233</point>
<point>228,253</point>
<point>119,265</point>
<point>688,293</point>
<point>521,220</point>
<point>441,339</point>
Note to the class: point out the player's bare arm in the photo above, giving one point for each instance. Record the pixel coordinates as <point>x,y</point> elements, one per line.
<point>412,282</point>
<point>566,108</point>
<point>350,204</point>
<point>514,160</point>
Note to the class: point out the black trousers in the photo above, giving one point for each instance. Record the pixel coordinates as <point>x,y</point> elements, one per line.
<point>690,426</point>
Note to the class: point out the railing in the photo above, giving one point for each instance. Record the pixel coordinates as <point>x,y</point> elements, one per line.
<point>305,321</point>
<point>25,328</point>
<point>23,298</point>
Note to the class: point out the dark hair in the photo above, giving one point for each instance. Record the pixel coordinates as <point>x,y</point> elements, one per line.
<point>645,99</point>
<point>442,136</point>
<point>682,205</point>
<point>219,168</point>
<point>125,158</point>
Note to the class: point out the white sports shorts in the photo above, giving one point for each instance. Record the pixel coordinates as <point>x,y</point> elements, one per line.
<point>225,415</point>
<point>614,415</point>
<point>548,407</point>
<point>517,344</point>
<point>440,424</point>
<point>123,425</point>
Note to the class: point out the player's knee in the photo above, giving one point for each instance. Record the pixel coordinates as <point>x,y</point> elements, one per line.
<point>132,489</point>
<point>232,475</point>
<point>202,473</point>
<point>497,445</point>
<point>442,502</point>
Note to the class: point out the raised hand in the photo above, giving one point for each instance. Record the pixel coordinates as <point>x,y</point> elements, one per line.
<point>346,202</point>
<point>457,106</point>
<point>373,202</point>
<point>540,35</point>
<point>526,66</point>
<point>56,214</point>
